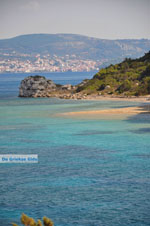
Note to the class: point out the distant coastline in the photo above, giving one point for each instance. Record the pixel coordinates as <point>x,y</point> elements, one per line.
<point>65,52</point>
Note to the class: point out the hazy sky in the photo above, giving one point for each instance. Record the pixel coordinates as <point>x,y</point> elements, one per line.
<point>111,19</point>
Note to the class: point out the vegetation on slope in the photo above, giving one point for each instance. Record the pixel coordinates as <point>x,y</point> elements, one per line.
<point>129,78</point>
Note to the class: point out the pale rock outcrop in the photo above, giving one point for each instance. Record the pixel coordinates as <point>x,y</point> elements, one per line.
<point>36,86</point>
<point>39,86</point>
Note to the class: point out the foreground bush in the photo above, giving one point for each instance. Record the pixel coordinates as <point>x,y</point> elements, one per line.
<point>28,221</point>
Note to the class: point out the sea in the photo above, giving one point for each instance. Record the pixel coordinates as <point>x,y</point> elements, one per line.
<point>90,171</point>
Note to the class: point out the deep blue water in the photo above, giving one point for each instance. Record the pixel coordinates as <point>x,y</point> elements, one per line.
<point>91,172</point>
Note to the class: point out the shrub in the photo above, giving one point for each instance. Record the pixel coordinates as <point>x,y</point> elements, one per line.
<point>28,221</point>
<point>125,86</point>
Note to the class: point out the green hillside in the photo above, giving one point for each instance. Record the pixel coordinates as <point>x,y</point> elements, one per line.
<point>131,77</point>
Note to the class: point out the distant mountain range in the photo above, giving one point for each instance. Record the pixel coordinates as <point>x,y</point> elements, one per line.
<point>78,47</point>
<point>82,46</point>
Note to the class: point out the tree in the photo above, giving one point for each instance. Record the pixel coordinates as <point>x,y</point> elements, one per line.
<point>125,86</point>
<point>28,221</point>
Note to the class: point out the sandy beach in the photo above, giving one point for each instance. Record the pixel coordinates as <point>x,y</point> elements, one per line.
<point>128,110</point>
<point>122,112</point>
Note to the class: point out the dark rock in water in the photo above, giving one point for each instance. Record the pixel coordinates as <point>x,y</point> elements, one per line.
<point>36,86</point>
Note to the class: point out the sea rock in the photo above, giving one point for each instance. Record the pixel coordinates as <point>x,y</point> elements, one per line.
<point>36,86</point>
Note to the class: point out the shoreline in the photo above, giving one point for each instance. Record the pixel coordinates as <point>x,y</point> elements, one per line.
<point>82,96</point>
<point>112,113</point>
<point>144,99</point>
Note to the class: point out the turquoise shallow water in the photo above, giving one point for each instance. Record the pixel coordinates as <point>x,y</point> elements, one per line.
<point>90,172</point>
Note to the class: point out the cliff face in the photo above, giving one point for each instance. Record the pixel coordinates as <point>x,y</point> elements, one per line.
<point>36,86</point>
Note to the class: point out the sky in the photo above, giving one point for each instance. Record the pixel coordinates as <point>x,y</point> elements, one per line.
<point>106,19</point>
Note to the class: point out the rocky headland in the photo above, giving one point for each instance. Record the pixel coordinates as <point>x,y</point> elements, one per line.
<point>129,79</point>
<point>39,86</point>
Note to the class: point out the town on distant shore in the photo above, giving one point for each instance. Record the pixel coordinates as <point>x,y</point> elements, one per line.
<point>47,63</point>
